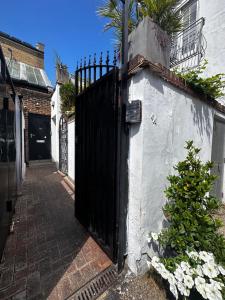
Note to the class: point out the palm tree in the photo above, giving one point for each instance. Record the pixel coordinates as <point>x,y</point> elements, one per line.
<point>112,10</point>
<point>162,12</point>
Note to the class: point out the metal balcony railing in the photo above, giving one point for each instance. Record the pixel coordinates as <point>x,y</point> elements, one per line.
<point>188,46</point>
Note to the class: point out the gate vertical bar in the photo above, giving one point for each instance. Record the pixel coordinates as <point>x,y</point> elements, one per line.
<point>123,144</point>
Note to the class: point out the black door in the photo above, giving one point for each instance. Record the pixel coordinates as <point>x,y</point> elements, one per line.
<point>97,122</point>
<point>39,137</point>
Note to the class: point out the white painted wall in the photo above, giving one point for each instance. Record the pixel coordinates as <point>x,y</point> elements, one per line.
<point>71,148</point>
<point>55,117</point>
<point>170,117</point>
<point>214,14</point>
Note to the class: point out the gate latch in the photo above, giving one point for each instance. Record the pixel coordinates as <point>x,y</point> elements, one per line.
<point>134,112</point>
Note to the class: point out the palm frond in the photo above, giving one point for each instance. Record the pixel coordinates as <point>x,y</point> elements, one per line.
<point>162,12</point>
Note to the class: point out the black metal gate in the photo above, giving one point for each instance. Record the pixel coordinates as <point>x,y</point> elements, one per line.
<point>63,145</point>
<point>97,142</point>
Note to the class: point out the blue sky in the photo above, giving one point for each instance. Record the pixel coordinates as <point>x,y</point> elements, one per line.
<point>69,27</point>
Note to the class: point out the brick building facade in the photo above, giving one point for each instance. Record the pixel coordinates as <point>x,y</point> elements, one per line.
<point>26,66</point>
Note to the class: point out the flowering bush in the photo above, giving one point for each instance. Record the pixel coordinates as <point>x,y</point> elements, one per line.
<point>194,257</point>
<point>190,209</point>
<point>200,272</point>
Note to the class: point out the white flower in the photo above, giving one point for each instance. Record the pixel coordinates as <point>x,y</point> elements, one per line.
<point>179,274</point>
<point>199,281</point>
<point>163,271</point>
<point>200,285</point>
<point>210,269</point>
<point>172,279</point>
<point>198,271</point>
<point>155,236</point>
<point>149,264</point>
<point>212,292</point>
<point>155,261</point>
<point>217,285</point>
<point>201,288</point>
<point>221,270</point>
<point>193,254</point>
<point>183,289</point>
<point>206,257</point>
<point>173,290</point>
<point>186,268</point>
<point>188,281</point>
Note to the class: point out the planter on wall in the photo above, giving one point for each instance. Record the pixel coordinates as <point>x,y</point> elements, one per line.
<point>150,41</point>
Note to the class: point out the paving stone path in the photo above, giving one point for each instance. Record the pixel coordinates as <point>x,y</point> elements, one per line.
<point>49,255</point>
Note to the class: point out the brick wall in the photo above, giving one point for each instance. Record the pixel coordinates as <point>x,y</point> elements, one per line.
<point>22,53</point>
<point>35,101</point>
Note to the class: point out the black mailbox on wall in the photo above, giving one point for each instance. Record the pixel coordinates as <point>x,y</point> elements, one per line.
<point>134,112</point>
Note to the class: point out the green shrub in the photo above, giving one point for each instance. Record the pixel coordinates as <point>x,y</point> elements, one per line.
<point>67,94</point>
<point>212,87</point>
<point>190,209</point>
<point>192,266</point>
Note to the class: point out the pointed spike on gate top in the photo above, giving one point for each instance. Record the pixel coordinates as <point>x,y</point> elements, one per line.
<point>89,61</point>
<point>81,63</point>
<point>85,63</point>
<point>107,58</point>
<point>100,60</point>
<point>94,59</point>
<point>77,66</point>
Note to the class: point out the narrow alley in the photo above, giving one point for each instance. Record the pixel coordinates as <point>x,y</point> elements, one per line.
<point>49,255</point>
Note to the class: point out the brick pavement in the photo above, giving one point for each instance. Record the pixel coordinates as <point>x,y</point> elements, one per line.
<point>49,255</point>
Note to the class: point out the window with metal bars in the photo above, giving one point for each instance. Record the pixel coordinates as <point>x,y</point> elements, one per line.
<point>189,13</point>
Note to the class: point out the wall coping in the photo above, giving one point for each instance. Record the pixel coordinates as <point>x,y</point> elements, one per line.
<point>139,62</point>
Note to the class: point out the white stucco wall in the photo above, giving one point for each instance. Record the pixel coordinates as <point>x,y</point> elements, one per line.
<point>214,14</point>
<point>170,117</point>
<point>71,149</point>
<point>55,117</point>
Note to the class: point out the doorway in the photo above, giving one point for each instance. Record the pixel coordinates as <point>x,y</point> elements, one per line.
<point>39,137</point>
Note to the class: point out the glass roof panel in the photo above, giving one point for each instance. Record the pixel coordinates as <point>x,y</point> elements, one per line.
<point>39,77</point>
<point>9,65</point>
<point>15,69</point>
<point>30,75</point>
